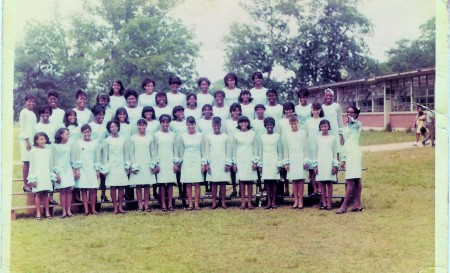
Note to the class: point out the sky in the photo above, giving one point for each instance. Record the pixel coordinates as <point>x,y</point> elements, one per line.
<point>210,21</point>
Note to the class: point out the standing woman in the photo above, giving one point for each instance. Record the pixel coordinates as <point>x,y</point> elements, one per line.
<point>134,111</point>
<point>116,164</point>
<point>148,97</point>
<point>27,121</point>
<point>231,91</point>
<point>204,97</point>
<point>332,111</point>
<point>312,133</point>
<point>84,115</point>
<point>303,109</point>
<point>192,164</point>
<point>351,161</point>
<point>116,96</point>
<point>246,159</point>
<point>259,91</point>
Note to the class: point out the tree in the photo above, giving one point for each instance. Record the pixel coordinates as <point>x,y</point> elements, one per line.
<point>414,54</point>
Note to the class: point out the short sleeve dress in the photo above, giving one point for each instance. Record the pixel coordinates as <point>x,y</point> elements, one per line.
<point>142,158</point>
<point>116,158</point>
<point>192,157</point>
<point>217,153</point>
<point>270,155</point>
<point>295,150</point>
<point>166,154</point>
<point>244,154</point>
<point>62,165</point>
<point>326,155</point>
<point>88,153</point>
<point>41,166</point>
<point>352,150</point>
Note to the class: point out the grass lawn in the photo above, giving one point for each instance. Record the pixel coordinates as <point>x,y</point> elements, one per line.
<point>394,232</point>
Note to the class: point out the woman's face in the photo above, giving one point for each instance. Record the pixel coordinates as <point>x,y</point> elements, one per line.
<point>245,97</point>
<point>113,128</point>
<point>243,125</point>
<point>288,112</point>
<point>235,113</point>
<point>204,86</point>
<point>207,112</point>
<point>324,128</point>
<point>192,101</point>
<point>81,101</point>
<point>219,99</point>
<point>141,128</point>
<point>174,87</point>
<point>116,88</point>
<point>86,135</point>
<point>257,81</point>
<point>165,125</point>
<point>72,118</point>
<point>131,101</point>
<point>103,101</point>
<point>315,112</point>
<point>30,104</point>
<point>190,127</point>
<point>328,98</point>
<point>269,128</point>
<point>148,115</point>
<point>99,118</point>
<point>65,136</point>
<point>149,88</point>
<point>303,100</point>
<point>231,83</point>
<point>294,125</point>
<point>216,127</point>
<point>122,117</point>
<point>45,116</point>
<point>161,100</point>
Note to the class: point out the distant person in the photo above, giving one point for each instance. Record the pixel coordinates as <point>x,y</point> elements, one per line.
<point>431,117</point>
<point>419,124</point>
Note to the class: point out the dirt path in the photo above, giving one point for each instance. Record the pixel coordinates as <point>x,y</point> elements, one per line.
<point>392,146</point>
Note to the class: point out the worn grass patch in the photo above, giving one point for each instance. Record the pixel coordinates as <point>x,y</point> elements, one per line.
<point>394,233</point>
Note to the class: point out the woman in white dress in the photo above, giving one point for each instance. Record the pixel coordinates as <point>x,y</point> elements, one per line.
<point>148,97</point>
<point>192,109</point>
<point>204,97</point>
<point>246,159</point>
<point>217,153</point>
<point>192,163</point>
<point>134,111</point>
<point>62,154</point>
<point>40,176</point>
<point>296,159</point>
<point>27,120</point>
<point>87,159</point>
<point>259,91</point>
<point>116,164</point>
<point>143,163</point>
<point>312,133</point>
<point>125,127</point>
<point>270,154</point>
<point>332,111</point>
<point>247,105</point>
<point>116,96</point>
<point>167,160</point>
<point>84,115</point>
<point>351,161</point>
<point>326,163</point>
<point>231,91</point>
<point>303,109</point>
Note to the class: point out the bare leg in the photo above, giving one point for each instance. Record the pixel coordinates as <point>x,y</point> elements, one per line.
<point>214,194</point>
<point>274,193</point>
<point>324,194</point>
<point>197,195</point>
<point>139,196</point>
<point>223,191</point>
<point>37,202</point>
<point>189,194</point>
<point>295,192</point>
<point>121,195</point>
<point>62,199</point>
<point>25,171</point>
<point>330,193</point>
<point>301,189</point>
<point>146,196</point>
<point>358,186</point>
<point>269,194</point>
<point>242,193</point>
<point>46,204</point>
<point>162,194</point>
<point>250,193</point>
<point>233,182</point>
<point>113,193</point>
<point>69,201</point>
<point>170,194</point>
<point>312,180</point>
<point>85,201</point>
<point>93,199</point>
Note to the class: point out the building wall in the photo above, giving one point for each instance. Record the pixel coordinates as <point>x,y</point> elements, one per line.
<point>401,120</point>
<point>375,120</point>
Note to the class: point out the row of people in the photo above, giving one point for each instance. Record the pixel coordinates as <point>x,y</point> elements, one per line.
<point>190,155</point>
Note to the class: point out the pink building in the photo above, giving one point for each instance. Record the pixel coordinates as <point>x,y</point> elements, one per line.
<point>385,100</point>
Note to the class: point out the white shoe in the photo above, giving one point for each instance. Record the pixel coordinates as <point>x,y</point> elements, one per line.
<point>258,194</point>
<point>415,144</point>
<point>264,193</point>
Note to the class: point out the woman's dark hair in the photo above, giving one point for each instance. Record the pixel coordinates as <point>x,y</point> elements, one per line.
<point>45,107</point>
<point>260,106</point>
<point>206,105</point>
<point>176,109</point>
<point>165,117</point>
<point>108,125</point>
<point>243,119</point>
<point>236,106</point>
<point>271,91</point>
<point>324,121</point>
<point>303,92</point>
<point>85,127</point>
<point>230,75</point>
<point>243,92</point>
<point>141,121</point>
<point>188,96</point>
<point>80,93</point>
<point>203,79</point>
<point>39,134</point>
<point>219,92</point>
<point>30,97</point>
<point>216,120</point>
<point>52,93</point>
<point>175,80</point>
<point>111,92</point>
<point>121,110</point>
<point>293,117</point>
<point>147,81</point>
<point>148,109</point>
<point>190,120</point>
<point>97,109</point>
<point>317,106</point>
<point>102,95</point>
<point>58,135</point>
<point>356,110</point>
<point>161,94</point>
<point>131,92</point>
<point>269,120</point>
<point>288,105</point>
<point>67,114</point>
<point>258,75</point>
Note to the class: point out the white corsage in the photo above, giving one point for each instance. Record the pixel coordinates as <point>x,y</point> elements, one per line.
<point>341,131</point>
<point>280,164</point>
<point>204,161</point>
<point>229,162</point>
<point>104,169</point>
<point>177,160</point>
<point>57,170</point>
<point>77,164</point>
<point>314,163</point>
<point>53,177</point>
<point>99,166</point>
<point>259,164</point>
<point>285,161</point>
<point>135,167</point>
<point>127,164</point>
<point>152,165</point>
<point>308,162</point>
<point>32,178</point>
<point>256,159</point>
<point>233,161</point>
<point>335,162</point>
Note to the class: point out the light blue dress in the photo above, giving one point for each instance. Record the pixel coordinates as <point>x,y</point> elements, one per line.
<point>326,157</point>
<point>245,154</point>
<point>166,156</point>
<point>312,131</point>
<point>62,165</point>
<point>295,153</point>
<point>116,161</point>
<point>270,154</point>
<point>87,159</point>
<point>41,167</point>
<point>142,159</point>
<point>191,157</point>
<point>352,150</point>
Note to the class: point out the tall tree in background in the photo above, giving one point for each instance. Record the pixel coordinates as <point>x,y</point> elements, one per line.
<point>414,54</point>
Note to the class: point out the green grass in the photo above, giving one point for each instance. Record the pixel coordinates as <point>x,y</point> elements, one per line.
<point>394,233</point>
<point>383,137</point>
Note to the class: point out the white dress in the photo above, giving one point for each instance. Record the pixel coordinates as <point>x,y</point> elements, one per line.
<point>270,154</point>
<point>221,112</point>
<point>333,113</point>
<point>41,167</point>
<point>218,154</point>
<point>117,101</point>
<point>48,128</point>
<point>295,152</point>
<point>231,127</point>
<point>57,118</point>
<point>62,165</point>
<point>231,96</point>
<point>142,158</point>
<point>303,113</point>
<point>191,157</point>
<point>203,99</point>
<point>283,125</point>
<point>116,161</point>
<point>152,127</point>
<point>178,127</point>
<point>98,132</point>
<point>74,133</point>
<point>134,114</point>
<point>175,99</point>
<point>312,132</point>
<point>259,95</point>
<point>205,126</point>
<point>88,154</point>
<point>326,156</point>
<point>276,112</point>
<point>248,110</point>
<point>163,110</point>
<point>166,155</point>
<point>27,120</point>
<point>196,113</point>
<point>83,117</point>
<point>147,100</point>
<point>352,150</point>
<point>244,146</point>
<point>125,130</point>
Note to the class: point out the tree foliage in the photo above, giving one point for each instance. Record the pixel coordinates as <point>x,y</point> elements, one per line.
<point>414,54</point>
<point>320,42</point>
<point>120,39</point>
